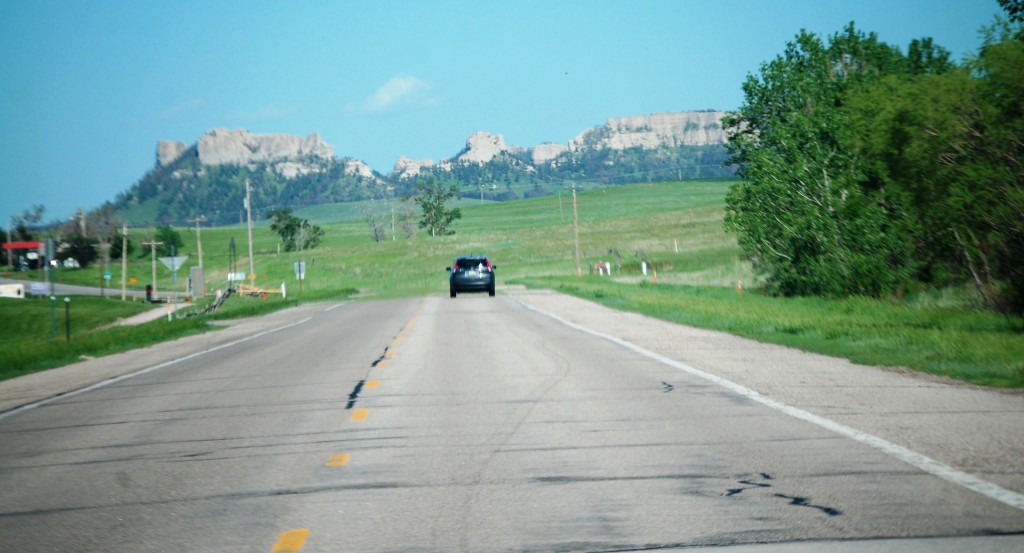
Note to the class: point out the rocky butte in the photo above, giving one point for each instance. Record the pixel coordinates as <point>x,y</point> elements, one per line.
<point>289,155</point>
<point>688,128</point>
<point>656,130</point>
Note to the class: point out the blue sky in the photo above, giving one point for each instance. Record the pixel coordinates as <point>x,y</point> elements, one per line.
<point>88,87</point>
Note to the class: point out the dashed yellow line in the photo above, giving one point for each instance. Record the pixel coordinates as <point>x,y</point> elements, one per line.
<point>337,460</point>
<point>291,541</point>
<point>372,384</point>
<point>360,414</point>
<point>381,365</point>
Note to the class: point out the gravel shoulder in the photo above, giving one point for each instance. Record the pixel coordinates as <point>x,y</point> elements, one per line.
<point>972,429</point>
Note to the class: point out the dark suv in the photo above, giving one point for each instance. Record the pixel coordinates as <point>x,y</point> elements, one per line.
<point>471,273</point>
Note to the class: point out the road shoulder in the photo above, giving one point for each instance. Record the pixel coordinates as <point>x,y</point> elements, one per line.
<point>35,387</point>
<point>969,428</point>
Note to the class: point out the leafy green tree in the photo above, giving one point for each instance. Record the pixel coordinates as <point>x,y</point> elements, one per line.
<point>294,231</point>
<point>82,249</point>
<point>169,237</point>
<point>1014,10</point>
<point>798,210</point>
<point>944,152</point>
<point>433,200</point>
<point>116,246</point>
<point>996,138</point>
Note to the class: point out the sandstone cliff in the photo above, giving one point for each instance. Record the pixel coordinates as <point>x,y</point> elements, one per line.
<point>167,152</point>
<point>239,147</point>
<point>690,128</point>
<point>482,147</point>
<point>406,168</point>
<point>289,156</point>
<point>546,152</point>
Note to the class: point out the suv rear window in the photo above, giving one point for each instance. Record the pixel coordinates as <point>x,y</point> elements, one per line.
<point>470,262</point>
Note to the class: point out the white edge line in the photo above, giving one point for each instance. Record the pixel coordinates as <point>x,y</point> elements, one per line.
<point>923,462</point>
<point>152,368</point>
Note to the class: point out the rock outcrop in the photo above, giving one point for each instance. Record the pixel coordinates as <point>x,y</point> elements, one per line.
<point>544,153</point>
<point>406,168</point>
<point>356,167</point>
<point>239,147</point>
<point>168,151</point>
<point>482,147</point>
<point>689,128</point>
<point>287,155</point>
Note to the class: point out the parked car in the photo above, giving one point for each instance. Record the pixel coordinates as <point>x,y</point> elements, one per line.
<point>471,273</point>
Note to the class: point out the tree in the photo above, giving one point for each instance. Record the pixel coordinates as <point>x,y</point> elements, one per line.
<point>81,248</point>
<point>801,210</point>
<point>377,222</point>
<point>1014,10</point>
<point>171,242</point>
<point>115,248</point>
<point>944,151</point>
<point>294,231</point>
<point>25,223</point>
<point>406,215</point>
<point>433,200</point>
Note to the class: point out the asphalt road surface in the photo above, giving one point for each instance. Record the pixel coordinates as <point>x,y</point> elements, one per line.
<point>483,424</point>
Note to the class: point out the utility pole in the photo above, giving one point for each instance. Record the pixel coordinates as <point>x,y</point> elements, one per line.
<point>152,249</point>
<point>124,261</point>
<point>105,254</point>
<point>199,237</point>
<point>248,211</point>
<point>198,274</point>
<point>10,252</point>
<point>576,231</point>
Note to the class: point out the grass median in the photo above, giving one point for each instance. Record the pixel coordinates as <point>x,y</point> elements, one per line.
<point>35,335</point>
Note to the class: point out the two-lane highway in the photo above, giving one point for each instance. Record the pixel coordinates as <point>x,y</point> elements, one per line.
<point>468,424</point>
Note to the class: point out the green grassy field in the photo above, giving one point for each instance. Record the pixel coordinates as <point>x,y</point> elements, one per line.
<point>676,227</point>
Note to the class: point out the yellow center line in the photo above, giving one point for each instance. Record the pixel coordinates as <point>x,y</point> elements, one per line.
<point>360,414</point>
<point>373,383</point>
<point>382,365</point>
<point>290,541</point>
<point>337,460</point>
<point>389,353</point>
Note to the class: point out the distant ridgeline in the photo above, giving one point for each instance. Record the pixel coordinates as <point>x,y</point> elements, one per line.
<point>208,178</point>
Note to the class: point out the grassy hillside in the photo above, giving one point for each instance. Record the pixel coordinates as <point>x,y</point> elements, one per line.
<point>532,237</point>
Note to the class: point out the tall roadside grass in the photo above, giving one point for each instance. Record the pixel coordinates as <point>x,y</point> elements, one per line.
<point>975,346</point>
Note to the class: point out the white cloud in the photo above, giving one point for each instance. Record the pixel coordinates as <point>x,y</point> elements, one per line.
<point>401,91</point>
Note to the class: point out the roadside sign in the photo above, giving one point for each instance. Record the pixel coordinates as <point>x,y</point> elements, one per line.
<point>300,270</point>
<point>107,275</point>
<point>174,263</point>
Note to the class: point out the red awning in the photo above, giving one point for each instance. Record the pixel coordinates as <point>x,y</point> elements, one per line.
<point>22,245</point>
